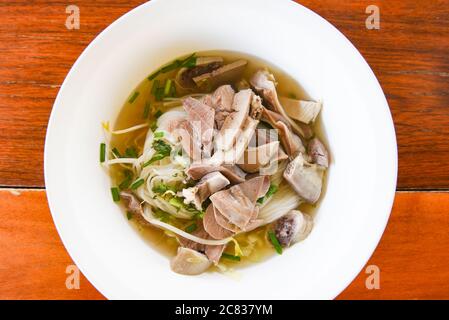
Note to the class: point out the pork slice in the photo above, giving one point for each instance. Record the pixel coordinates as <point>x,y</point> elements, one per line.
<point>293,227</point>
<point>318,152</point>
<point>234,205</point>
<point>305,178</point>
<point>212,227</point>
<point>263,83</point>
<point>223,222</point>
<point>184,77</point>
<point>256,158</point>
<point>290,141</point>
<point>132,205</point>
<point>232,155</point>
<point>255,188</point>
<point>189,262</point>
<point>190,141</point>
<point>221,100</point>
<point>233,173</point>
<point>200,233</point>
<point>226,74</point>
<point>209,184</point>
<point>234,121</point>
<point>201,119</point>
<point>214,253</point>
<point>304,111</point>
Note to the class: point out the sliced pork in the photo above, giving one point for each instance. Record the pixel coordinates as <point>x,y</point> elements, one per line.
<point>304,111</point>
<point>209,184</point>
<point>184,78</point>
<point>201,119</point>
<point>264,84</point>
<point>318,152</point>
<point>212,227</point>
<point>189,262</point>
<point>305,178</point>
<point>233,173</point>
<point>226,74</point>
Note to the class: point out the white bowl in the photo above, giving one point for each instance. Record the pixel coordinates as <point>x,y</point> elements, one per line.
<point>356,118</point>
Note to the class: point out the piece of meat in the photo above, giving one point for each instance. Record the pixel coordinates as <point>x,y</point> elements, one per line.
<point>201,119</point>
<point>209,184</point>
<point>191,143</point>
<point>295,226</point>
<point>304,111</point>
<point>233,173</point>
<point>263,83</point>
<point>221,100</point>
<point>256,158</point>
<point>224,223</point>
<point>234,121</point>
<point>184,77</point>
<point>318,152</point>
<point>232,155</point>
<point>305,178</point>
<point>212,227</point>
<point>200,233</point>
<point>237,204</point>
<point>226,74</point>
<point>290,141</point>
<point>214,253</point>
<point>189,262</point>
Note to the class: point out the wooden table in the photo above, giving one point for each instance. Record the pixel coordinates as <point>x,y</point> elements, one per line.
<point>409,55</point>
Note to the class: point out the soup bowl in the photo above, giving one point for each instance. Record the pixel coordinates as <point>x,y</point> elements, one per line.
<point>358,128</point>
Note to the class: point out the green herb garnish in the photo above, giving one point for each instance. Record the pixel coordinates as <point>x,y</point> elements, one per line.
<point>131,152</point>
<point>129,215</point>
<point>167,88</point>
<point>127,181</point>
<point>102,152</point>
<point>115,194</point>
<point>188,62</point>
<point>191,228</point>
<point>136,184</point>
<point>275,242</point>
<point>146,110</point>
<point>176,202</point>
<point>230,257</point>
<point>133,97</point>
<point>271,191</point>
<point>116,153</point>
<point>161,215</point>
<point>154,87</point>
<point>158,135</point>
<point>162,188</point>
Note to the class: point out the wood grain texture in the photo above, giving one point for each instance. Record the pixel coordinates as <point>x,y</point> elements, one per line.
<point>409,55</point>
<point>412,256</point>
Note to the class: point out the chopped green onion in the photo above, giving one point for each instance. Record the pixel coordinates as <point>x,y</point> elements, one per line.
<point>167,88</point>
<point>275,242</point>
<point>136,184</point>
<point>161,215</point>
<point>158,114</point>
<point>129,215</point>
<point>154,87</point>
<point>173,91</point>
<point>272,190</point>
<point>230,257</point>
<point>131,152</point>
<point>176,202</point>
<point>158,135</point>
<point>188,62</point>
<point>159,94</point>
<point>115,194</point>
<point>155,158</point>
<point>102,152</point>
<point>127,181</point>
<point>146,110</point>
<point>133,97</point>
<point>191,228</point>
<point>116,153</point>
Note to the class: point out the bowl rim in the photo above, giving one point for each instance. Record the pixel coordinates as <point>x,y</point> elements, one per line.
<point>57,106</point>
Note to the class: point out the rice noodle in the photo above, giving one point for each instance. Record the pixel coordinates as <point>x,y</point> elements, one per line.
<point>148,216</point>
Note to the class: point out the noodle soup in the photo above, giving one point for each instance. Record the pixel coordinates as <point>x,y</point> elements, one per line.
<point>217,209</point>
